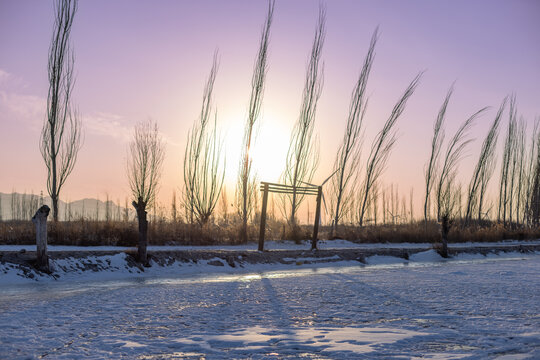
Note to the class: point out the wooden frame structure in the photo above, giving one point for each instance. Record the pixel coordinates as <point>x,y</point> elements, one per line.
<point>267,187</point>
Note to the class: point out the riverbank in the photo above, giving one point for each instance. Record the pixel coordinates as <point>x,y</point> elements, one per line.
<point>18,264</point>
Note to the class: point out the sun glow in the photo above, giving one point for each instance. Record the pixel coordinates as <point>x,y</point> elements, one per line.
<point>268,152</point>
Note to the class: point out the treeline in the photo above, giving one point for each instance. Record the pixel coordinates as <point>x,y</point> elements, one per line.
<point>517,202</point>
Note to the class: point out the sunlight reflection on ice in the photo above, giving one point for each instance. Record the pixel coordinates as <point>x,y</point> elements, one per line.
<point>320,339</point>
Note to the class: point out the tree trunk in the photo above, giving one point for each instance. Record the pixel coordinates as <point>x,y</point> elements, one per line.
<point>243,231</point>
<point>54,200</point>
<point>40,220</point>
<point>143,231</point>
<point>333,229</point>
<point>317,220</point>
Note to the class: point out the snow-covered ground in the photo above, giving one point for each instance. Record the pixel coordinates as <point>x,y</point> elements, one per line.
<point>271,245</point>
<point>471,307</point>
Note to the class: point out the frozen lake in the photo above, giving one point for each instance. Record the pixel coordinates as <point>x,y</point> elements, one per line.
<point>473,309</point>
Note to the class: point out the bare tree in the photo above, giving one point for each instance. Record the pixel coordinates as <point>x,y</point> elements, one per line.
<point>521,160</point>
<point>533,186</point>
<point>224,206</point>
<point>375,202</point>
<point>117,214</point>
<point>436,145</point>
<point>144,166</point>
<point>303,154</point>
<point>516,173</point>
<point>174,210</point>
<point>61,133</point>
<point>528,178</point>
<point>506,186</point>
<point>446,194</point>
<point>382,147</point>
<point>513,174</point>
<point>384,207</point>
<point>348,155</point>
<point>529,170</point>
<point>411,207</point>
<point>204,165</point>
<point>126,210</point>
<point>246,184</point>
<point>107,208</point>
<point>14,205</point>
<point>484,169</point>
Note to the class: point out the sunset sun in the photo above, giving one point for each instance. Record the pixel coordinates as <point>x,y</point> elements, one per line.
<point>269,152</point>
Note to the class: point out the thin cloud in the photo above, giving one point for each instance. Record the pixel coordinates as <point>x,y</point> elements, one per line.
<point>4,76</point>
<point>107,124</point>
<point>17,106</point>
<point>29,109</point>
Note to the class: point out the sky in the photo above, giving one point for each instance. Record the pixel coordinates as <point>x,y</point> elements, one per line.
<point>137,60</point>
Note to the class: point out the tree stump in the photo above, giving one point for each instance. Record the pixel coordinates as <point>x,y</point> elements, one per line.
<point>40,220</point>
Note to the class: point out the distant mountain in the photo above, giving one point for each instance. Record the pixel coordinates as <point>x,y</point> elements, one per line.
<point>17,206</point>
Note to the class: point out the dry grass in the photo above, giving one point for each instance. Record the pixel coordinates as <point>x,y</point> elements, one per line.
<point>419,232</point>
<point>119,233</point>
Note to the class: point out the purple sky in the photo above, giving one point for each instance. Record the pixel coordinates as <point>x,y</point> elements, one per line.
<point>149,59</point>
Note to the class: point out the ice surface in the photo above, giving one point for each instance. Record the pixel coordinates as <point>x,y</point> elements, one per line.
<point>472,308</point>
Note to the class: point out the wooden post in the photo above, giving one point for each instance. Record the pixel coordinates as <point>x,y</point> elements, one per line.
<point>317,220</point>
<point>263,218</point>
<point>40,220</point>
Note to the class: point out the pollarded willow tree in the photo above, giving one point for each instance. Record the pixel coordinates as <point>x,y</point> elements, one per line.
<point>246,184</point>
<point>303,153</point>
<point>61,133</point>
<point>348,155</point>
<point>204,162</point>
<point>381,149</point>
<point>144,166</point>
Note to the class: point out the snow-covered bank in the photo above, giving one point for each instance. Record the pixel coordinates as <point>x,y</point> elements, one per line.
<point>275,245</point>
<point>16,268</point>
